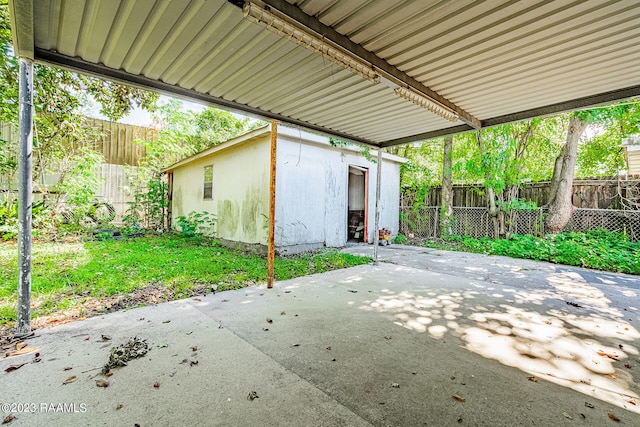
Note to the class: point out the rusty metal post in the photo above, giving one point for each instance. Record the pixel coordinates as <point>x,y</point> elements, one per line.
<point>25,194</point>
<point>271,245</point>
<point>376,235</point>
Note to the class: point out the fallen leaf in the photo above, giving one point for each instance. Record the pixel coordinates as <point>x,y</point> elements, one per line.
<point>583,415</point>
<point>68,368</point>
<point>333,360</point>
<point>193,363</point>
<point>225,300</point>
<point>633,402</point>
<point>269,320</point>
<point>194,348</point>
<point>567,415</point>
<point>119,406</point>
<point>329,348</point>
<point>167,321</point>
<point>551,375</point>
<point>609,355</point>
<point>458,398</point>
<point>102,383</point>
<point>353,291</point>
<point>106,338</point>
<point>387,337</point>
<point>265,329</point>
<point>620,346</point>
<point>533,379</point>
<point>295,345</point>
<point>612,375</point>
<point>252,395</point>
<point>395,385</point>
<point>588,405</point>
<point>14,367</point>
<point>86,339</point>
<point>547,322</point>
<point>282,313</point>
<point>197,299</point>
<point>573,304</point>
<point>8,419</point>
<point>24,350</point>
<point>156,385</point>
<point>108,374</point>
<point>613,417</point>
<point>21,345</point>
<point>587,382</point>
<point>69,380</point>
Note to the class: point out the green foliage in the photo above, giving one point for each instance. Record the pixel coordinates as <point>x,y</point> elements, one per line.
<point>186,132</point>
<point>41,218</point>
<point>80,185</point>
<point>518,204</point>
<point>67,275</point>
<point>598,249</point>
<point>196,223</point>
<point>149,202</point>
<point>400,239</point>
<point>364,149</point>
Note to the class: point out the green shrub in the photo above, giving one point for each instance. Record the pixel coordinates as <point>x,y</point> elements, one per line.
<point>400,239</point>
<point>196,223</point>
<point>598,249</point>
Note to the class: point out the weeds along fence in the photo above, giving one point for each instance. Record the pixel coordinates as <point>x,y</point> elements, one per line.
<point>423,221</point>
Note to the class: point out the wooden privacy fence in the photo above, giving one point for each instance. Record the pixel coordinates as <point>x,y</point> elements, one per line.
<point>115,141</point>
<point>423,221</point>
<point>603,193</point>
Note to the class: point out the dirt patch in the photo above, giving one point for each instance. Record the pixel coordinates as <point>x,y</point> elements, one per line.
<point>87,306</point>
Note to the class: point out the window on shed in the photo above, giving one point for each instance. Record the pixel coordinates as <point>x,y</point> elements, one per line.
<point>208,182</point>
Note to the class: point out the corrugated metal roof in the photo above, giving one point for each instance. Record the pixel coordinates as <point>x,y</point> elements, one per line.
<point>490,58</point>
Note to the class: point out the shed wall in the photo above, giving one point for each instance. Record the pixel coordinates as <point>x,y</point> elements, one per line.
<point>240,190</point>
<point>312,193</point>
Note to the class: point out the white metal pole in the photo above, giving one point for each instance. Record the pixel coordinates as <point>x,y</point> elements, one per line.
<point>376,236</point>
<point>25,197</point>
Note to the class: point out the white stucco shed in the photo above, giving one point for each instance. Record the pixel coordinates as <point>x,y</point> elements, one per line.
<point>325,195</point>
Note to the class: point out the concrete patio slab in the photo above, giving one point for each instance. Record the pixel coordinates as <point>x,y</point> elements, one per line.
<point>398,344</point>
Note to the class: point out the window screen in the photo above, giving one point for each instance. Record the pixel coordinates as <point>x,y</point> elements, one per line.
<point>208,182</point>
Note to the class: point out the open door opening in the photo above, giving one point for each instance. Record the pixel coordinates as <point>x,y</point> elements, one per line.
<point>357,227</point>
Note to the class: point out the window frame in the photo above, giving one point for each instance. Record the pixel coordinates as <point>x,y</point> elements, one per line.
<point>207,188</point>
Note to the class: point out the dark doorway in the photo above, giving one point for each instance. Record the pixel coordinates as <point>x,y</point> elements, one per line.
<point>357,226</point>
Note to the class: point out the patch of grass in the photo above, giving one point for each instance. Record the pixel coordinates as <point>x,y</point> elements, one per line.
<point>65,274</point>
<point>597,249</point>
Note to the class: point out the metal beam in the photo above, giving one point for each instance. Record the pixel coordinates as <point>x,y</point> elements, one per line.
<point>21,15</point>
<point>296,14</point>
<point>376,227</point>
<point>560,107</point>
<point>25,195</point>
<point>98,70</point>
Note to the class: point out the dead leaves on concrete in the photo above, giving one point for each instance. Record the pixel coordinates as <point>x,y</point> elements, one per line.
<point>69,380</point>
<point>102,383</point>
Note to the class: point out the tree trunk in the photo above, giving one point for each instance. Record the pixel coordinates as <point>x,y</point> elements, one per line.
<point>560,205</point>
<point>446,205</point>
<point>494,211</point>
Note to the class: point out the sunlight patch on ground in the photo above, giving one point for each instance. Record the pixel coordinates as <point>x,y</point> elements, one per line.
<point>584,348</point>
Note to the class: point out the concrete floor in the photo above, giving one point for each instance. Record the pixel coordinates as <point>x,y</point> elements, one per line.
<point>372,345</point>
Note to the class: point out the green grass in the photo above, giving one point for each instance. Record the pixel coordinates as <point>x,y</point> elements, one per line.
<point>597,249</point>
<point>64,275</point>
